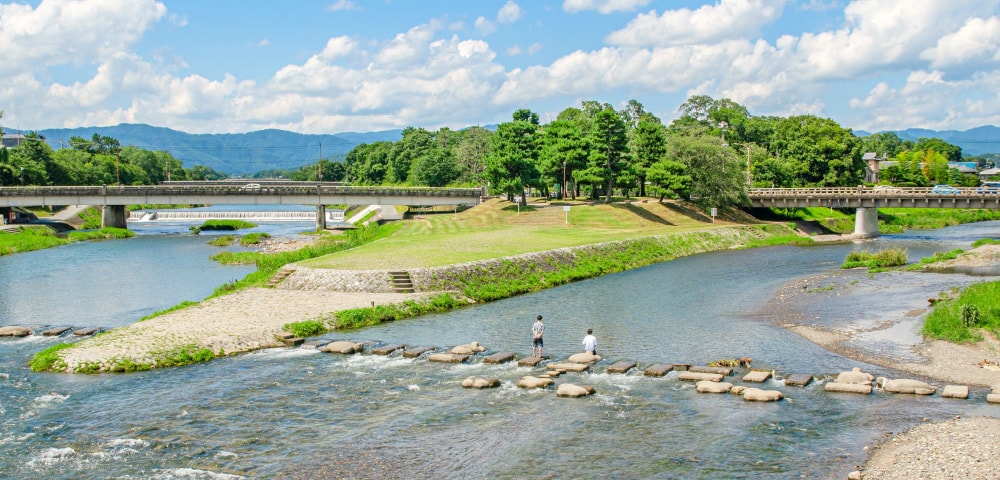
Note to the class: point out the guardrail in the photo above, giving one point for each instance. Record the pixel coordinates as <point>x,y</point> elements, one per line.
<point>840,192</point>
<point>250,189</point>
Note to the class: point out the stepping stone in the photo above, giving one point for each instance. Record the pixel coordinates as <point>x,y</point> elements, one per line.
<point>725,371</point>
<point>416,352</point>
<point>503,357</point>
<point>755,376</point>
<point>798,379</point>
<point>993,398</point>
<point>480,382</point>
<point>315,344</point>
<point>448,358</point>
<point>658,369</point>
<point>861,388</point>
<point>699,376</point>
<point>83,332</point>
<point>534,382</point>
<point>706,386</point>
<point>15,331</point>
<point>620,367</point>
<point>343,347</point>
<point>574,391</point>
<point>387,349</point>
<point>284,335</point>
<point>531,361</point>
<point>569,367</point>
<point>955,391</point>
<point>758,395</point>
<point>293,342</point>
<point>55,332</point>
<point>682,366</point>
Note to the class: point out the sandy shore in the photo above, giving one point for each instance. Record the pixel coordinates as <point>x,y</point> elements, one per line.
<point>239,322</point>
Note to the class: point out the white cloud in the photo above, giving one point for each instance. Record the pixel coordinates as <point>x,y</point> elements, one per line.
<point>509,13</point>
<point>603,6</point>
<point>60,32</point>
<point>341,5</point>
<point>262,43</point>
<point>484,26</point>
<point>977,41</point>
<point>724,20</point>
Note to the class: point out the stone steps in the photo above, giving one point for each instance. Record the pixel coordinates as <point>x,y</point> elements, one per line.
<point>278,277</point>
<point>401,282</point>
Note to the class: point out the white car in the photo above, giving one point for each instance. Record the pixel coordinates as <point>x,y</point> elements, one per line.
<point>887,189</point>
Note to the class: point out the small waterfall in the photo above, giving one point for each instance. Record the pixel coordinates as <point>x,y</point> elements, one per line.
<point>168,215</point>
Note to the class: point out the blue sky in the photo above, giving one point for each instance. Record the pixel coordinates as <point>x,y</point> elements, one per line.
<point>329,66</point>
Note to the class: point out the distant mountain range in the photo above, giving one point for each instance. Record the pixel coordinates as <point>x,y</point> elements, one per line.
<point>232,153</point>
<point>248,153</point>
<point>974,141</point>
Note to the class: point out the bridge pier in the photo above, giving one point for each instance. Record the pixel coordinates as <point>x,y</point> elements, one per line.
<point>866,222</point>
<point>113,216</point>
<point>320,217</point>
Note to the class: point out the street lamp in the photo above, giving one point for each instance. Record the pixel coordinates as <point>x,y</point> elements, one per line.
<point>564,181</point>
<point>22,176</point>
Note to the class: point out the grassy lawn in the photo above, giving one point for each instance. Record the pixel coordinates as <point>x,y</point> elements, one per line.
<point>497,229</point>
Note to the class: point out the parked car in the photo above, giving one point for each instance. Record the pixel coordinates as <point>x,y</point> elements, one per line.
<point>251,186</point>
<point>887,189</point>
<point>989,189</point>
<point>945,190</point>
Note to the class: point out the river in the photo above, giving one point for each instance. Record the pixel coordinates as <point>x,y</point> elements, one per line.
<point>297,413</point>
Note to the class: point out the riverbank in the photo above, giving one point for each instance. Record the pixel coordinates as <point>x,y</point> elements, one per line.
<point>249,319</point>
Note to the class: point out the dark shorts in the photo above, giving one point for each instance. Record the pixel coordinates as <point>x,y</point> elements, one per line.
<point>537,342</point>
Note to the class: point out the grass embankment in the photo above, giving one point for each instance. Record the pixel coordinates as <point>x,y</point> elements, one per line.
<point>891,220</point>
<point>225,225</point>
<point>959,317</point>
<point>618,236</point>
<point>38,237</point>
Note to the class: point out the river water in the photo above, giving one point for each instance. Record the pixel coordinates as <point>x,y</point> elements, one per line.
<point>297,413</point>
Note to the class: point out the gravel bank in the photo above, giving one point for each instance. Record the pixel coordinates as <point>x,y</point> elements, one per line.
<point>963,448</point>
<point>240,322</point>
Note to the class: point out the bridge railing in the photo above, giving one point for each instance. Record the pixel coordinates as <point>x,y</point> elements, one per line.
<point>248,189</point>
<point>895,192</point>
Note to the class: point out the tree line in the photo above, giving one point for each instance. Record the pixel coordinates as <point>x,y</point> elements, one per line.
<point>710,154</point>
<point>100,160</point>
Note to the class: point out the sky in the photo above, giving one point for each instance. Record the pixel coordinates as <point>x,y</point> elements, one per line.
<point>332,66</point>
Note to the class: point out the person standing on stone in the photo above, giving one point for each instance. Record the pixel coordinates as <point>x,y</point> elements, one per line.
<point>537,330</point>
<point>590,342</point>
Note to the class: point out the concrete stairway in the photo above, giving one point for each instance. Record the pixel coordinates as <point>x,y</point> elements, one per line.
<point>401,282</point>
<point>278,277</point>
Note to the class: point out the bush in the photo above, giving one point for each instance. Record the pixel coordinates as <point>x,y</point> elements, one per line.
<point>959,318</point>
<point>48,359</point>
<point>254,238</point>
<point>890,257</point>
<point>307,328</point>
<point>226,225</point>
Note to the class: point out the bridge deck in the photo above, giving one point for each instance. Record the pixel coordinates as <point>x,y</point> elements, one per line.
<point>891,197</point>
<point>249,194</point>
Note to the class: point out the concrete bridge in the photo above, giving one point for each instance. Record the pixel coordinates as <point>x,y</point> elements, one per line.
<point>867,200</point>
<point>115,198</point>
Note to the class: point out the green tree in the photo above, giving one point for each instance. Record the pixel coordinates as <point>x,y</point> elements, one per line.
<point>885,143</point>
<point>32,159</point>
<point>717,175</point>
<point>952,153</point>
<point>669,178</point>
<point>563,151</point>
<point>648,146</point>
<point>819,151</point>
<point>510,167</point>
<point>367,163</point>
<point>609,145</point>
<point>471,153</point>
<point>415,143</point>
<point>435,168</point>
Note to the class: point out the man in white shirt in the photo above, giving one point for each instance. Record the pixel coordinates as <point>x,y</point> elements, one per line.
<point>590,342</point>
<point>537,330</point>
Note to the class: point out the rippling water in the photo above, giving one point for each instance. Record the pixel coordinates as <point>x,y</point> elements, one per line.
<point>297,413</point>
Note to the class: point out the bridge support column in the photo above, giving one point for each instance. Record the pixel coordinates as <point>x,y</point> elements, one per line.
<point>320,217</point>
<point>866,223</point>
<point>113,216</point>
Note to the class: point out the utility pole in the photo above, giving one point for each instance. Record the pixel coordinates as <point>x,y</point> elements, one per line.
<point>320,161</point>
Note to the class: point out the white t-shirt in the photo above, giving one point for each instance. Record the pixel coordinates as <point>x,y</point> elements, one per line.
<point>590,343</point>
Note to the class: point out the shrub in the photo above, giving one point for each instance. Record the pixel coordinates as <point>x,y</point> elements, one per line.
<point>254,238</point>
<point>890,257</point>
<point>226,225</point>
<point>307,328</point>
